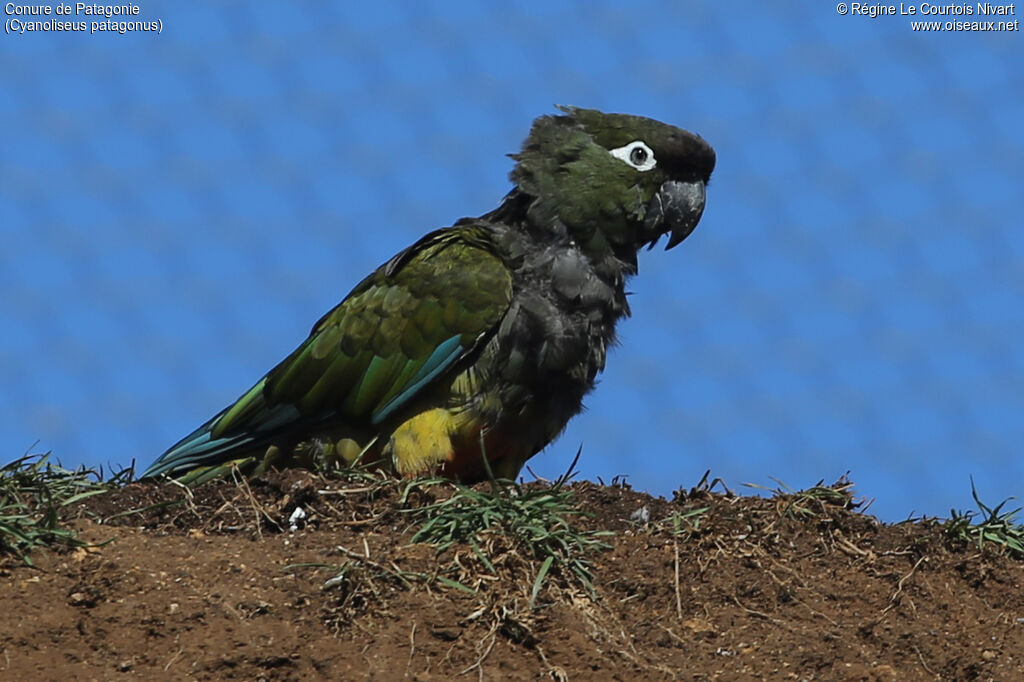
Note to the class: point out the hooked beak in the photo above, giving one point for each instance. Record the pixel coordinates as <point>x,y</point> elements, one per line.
<point>676,208</point>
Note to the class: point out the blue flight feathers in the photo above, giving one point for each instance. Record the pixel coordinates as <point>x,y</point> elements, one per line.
<point>443,356</point>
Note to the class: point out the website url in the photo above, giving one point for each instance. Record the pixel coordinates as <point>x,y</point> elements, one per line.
<point>965,25</point>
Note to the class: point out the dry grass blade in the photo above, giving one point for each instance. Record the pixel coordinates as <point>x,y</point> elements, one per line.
<point>813,501</point>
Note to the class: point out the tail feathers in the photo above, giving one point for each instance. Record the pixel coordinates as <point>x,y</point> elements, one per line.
<point>201,450</point>
<point>197,449</point>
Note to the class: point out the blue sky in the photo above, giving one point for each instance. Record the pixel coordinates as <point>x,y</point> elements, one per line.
<point>176,210</point>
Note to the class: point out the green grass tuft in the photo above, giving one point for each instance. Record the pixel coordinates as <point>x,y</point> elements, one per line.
<point>995,526</point>
<point>536,519</point>
<point>33,490</point>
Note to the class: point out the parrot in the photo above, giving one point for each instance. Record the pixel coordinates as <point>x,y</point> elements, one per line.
<point>468,352</point>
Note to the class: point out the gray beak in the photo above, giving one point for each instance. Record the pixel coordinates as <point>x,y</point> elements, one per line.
<point>676,208</point>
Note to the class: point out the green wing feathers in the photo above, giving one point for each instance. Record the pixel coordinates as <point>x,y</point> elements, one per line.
<point>396,329</point>
<point>399,330</point>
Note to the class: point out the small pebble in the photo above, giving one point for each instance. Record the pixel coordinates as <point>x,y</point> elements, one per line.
<point>293,521</point>
<point>641,515</point>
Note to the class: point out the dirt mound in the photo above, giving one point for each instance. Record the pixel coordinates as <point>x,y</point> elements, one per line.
<point>229,582</point>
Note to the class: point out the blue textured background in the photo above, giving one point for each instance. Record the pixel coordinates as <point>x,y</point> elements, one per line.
<point>176,210</point>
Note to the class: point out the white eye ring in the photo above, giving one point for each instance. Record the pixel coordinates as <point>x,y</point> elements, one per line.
<point>636,154</point>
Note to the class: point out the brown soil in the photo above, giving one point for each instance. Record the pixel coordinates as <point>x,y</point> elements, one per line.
<point>217,587</point>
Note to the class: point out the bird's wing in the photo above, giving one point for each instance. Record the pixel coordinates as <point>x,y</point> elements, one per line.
<point>400,330</point>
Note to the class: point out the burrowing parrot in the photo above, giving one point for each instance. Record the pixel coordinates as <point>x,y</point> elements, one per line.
<point>481,339</point>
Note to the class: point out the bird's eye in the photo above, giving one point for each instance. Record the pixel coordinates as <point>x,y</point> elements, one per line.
<point>636,154</point>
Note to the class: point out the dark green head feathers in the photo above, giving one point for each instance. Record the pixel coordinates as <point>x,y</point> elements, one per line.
<point>478,342</point>
<point>615,181</point>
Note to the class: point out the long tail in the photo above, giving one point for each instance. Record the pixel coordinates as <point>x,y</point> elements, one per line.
<point>200,450</point>
<point>234,437</point>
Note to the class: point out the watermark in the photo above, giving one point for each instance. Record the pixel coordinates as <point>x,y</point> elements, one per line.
<point>80,17</point>
<point>925,16</point>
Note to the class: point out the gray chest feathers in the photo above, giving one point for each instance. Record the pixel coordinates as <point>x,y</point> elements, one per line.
<point>554,338</point>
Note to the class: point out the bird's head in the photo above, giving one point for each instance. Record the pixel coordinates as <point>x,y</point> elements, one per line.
<point>614,182</point>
